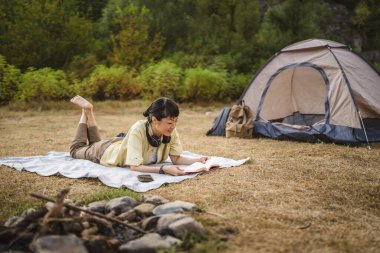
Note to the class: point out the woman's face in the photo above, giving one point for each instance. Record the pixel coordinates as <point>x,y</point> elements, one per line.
<point>164,126</point>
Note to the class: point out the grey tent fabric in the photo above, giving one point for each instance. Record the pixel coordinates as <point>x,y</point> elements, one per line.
<point>316,90</point>
<point>219,125</point>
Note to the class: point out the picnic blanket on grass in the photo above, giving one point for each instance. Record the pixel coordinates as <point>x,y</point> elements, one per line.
<point>62,163</point>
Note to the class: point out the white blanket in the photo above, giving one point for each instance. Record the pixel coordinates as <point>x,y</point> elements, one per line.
<point>61,163</point>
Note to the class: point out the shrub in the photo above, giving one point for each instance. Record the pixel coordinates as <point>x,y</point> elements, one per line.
<point>218,62</point>
<point>236,84</point>
<point>9,81</point>
<point>81,66</point>
<point>115,82</point>
<point>185,60</point>
<point>161,79</point>
<point>44,84</point>
<point>204,84</point>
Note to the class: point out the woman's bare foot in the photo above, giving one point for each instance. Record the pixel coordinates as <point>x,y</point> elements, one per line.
<point>83,103</point>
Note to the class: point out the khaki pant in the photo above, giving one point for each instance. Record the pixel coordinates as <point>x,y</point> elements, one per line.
<point>88,145</point>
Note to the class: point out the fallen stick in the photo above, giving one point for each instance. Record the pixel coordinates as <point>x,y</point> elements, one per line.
<point>216,214</point>
<point>76,208</point>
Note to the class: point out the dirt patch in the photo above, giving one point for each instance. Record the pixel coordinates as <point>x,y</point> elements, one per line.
<point>291,196</point>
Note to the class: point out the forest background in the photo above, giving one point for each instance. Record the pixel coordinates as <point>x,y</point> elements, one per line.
<point>189,50</point>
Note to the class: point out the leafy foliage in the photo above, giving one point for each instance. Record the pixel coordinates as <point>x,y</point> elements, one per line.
<point>9,81</point>
<point>361,14</point>
<point>237,84</point>
<point>81,66</point>
<point>124,31</point>
<point>161,79</point>
<point>204,84</point>
<point>44,84</point>
<point>367,21</point>
<point>91,8</point>
<point>44,33</point>
<point>115,82</point>
<point>289,22</point>
<point>377,66</point>
<point>165,43</point>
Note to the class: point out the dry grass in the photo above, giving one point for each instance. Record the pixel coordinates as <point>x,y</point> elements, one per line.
<point>291,197</point>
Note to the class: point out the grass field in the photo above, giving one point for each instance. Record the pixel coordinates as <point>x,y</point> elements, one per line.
<point>291,196</point>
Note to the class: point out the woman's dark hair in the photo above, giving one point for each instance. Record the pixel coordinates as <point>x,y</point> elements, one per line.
<point>162,108</point>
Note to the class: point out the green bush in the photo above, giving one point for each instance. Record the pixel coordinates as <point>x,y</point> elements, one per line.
<point>44,84</point>
<point>204,84</point>
<point>185,60</point>
<point>115,82</point>
<point>236,84</point>
<point>9,81</point>
<point>161,79</point>
<point>81,66</point>
<point>217,62</point>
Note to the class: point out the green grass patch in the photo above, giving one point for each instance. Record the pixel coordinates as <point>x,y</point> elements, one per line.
<point>193,243</point>
<point>106,194</point>
<point>16,208</point>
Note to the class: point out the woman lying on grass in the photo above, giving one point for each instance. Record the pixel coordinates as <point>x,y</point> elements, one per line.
<point>148,141</point>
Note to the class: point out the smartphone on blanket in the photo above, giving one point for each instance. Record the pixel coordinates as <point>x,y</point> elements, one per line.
<point>145,178</point>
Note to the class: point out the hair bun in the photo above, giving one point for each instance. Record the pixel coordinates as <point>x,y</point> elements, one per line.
<point>161,108</point>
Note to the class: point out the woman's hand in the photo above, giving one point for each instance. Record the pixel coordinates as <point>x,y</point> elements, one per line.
<point>203,159</point>
<point>173,170</point>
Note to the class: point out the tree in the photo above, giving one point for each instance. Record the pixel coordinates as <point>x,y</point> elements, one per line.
<point>206,29</point>
<point>91,9</point>
<point>367,21</point>
<point>132,45</point>
<point>289,22</point>
<point>45,33</point>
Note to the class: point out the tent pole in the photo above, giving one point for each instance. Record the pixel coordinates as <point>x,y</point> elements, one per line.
<point>365,132</point>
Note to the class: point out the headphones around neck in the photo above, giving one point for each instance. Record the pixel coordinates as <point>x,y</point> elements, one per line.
<point>155,140</point>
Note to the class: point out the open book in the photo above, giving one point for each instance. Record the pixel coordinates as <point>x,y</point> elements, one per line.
<point>200,167</point>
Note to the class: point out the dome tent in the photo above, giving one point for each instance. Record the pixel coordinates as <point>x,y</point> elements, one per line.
<point>316,90</point>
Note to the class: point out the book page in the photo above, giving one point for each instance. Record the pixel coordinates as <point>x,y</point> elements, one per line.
<point>199,167</point>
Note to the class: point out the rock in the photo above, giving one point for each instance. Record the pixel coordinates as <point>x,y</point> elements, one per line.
<point>85,224</point>
<point>172,240</point>
<point>174,207</point>
<point>72,227</point>
<point>150,223</point>
<point>154,199</point>
<point>149,243</point>
<point>28,212</point>
<point>160,210</point>
<point>128,216</point>
<point>120,205</point>
<point>104,226</point>
<point>185,226</point>
<point>13,221</point>
<point>178,225</point>
<point>49,205</point>
<point>145,209</point>
<point>165,220</point>
<point>82,232</point>
<point>97,244</point>
<point>98,206</point>
<point>58,244</point>
<point>89,231</point>
<point>111,214</point>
